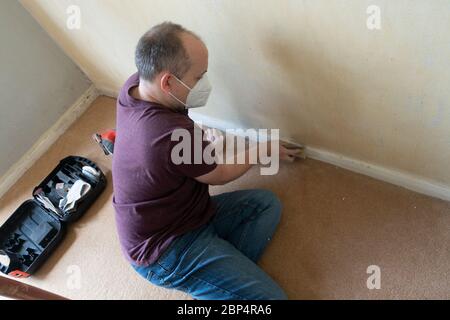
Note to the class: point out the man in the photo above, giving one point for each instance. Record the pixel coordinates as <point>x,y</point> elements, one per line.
<point>171,231</point>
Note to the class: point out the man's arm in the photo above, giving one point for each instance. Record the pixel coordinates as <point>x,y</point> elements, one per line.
<point>225,173</point>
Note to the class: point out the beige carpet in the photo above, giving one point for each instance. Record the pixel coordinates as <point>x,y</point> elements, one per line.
<point>335,224</point>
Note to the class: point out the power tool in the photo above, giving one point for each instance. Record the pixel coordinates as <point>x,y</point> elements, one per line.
<point>106,141</point>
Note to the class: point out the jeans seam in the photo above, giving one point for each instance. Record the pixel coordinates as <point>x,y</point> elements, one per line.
<point>246,221</point>
<point>199,279</point>
<point>149,275</point>
<point>241,237</point>
<point>185,247</point>
<point>162,267</point>
<point>216,287</point>
<point>240,211</point>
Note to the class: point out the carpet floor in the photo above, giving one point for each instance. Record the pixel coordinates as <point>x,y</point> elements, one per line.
<point>335,224</point>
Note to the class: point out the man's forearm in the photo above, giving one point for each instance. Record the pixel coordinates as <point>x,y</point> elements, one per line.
<point>242,162</point>
<point>235,170</point>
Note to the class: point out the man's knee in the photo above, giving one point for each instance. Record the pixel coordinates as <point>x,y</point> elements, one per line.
<point>272,202</point>
<point>275,293</point>
<point>280,295</point>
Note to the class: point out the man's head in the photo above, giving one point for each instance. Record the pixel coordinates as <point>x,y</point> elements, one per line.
<point>166,57</point>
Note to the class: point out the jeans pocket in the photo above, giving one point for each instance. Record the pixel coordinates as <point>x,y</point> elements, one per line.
<point>170,258</point>
<point>150,275</point>
<point>153,273</point>
<point>160,278</point>
<point>167,261</point>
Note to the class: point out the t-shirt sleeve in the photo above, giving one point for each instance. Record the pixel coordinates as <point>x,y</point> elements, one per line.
<point>187,152</point>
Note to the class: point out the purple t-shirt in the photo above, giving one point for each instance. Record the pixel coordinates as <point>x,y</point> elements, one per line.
<point>155,200</point>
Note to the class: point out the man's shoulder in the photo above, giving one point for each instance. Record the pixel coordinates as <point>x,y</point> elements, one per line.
<point>133,80</point>
<point>123,97</point>
<point>166,124</point>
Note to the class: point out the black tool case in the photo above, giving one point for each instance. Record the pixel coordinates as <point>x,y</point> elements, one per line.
<point>32,232</point>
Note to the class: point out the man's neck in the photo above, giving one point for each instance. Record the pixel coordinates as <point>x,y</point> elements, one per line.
<point>143,93</point>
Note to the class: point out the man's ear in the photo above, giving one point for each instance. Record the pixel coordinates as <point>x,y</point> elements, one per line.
<point>165,82</point>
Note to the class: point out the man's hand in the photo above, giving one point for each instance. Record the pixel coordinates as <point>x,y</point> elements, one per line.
<point>225,173</point>
<point>214,135</point>
<point>287,151</point>
<point>289,154</point>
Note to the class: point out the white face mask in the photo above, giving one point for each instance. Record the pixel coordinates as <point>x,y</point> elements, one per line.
<point>198,95</point>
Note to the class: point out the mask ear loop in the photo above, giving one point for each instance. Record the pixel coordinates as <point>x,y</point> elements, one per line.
<point>187,87</point>
<point>184,104</point>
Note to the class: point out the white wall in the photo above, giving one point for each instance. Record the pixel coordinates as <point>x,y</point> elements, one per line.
<point>38,82</point>
<point>311,68</point>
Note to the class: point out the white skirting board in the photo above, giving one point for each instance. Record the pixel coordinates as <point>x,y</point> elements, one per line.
<point>399,178</point>
<point>108,92</point>
<point>47,139</point>
<point>396,177</point>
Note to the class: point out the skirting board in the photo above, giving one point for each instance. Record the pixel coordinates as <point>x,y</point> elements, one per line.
<point>108,92</point>
<point>396,177</point>
<point>47,139</point>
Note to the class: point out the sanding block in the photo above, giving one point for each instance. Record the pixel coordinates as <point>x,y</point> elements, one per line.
<point>289,144</point>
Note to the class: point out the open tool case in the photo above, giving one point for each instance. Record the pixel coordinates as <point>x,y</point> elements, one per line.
<point>33,231</point>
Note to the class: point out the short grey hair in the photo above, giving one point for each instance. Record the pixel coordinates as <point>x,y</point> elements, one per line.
<point>161,49</point>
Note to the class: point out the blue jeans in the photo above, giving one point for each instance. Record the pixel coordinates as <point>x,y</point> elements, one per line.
<point>218,260</point>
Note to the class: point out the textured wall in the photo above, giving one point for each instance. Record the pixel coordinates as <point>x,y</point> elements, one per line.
<point>311,68</point>
<point>38,82</point>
